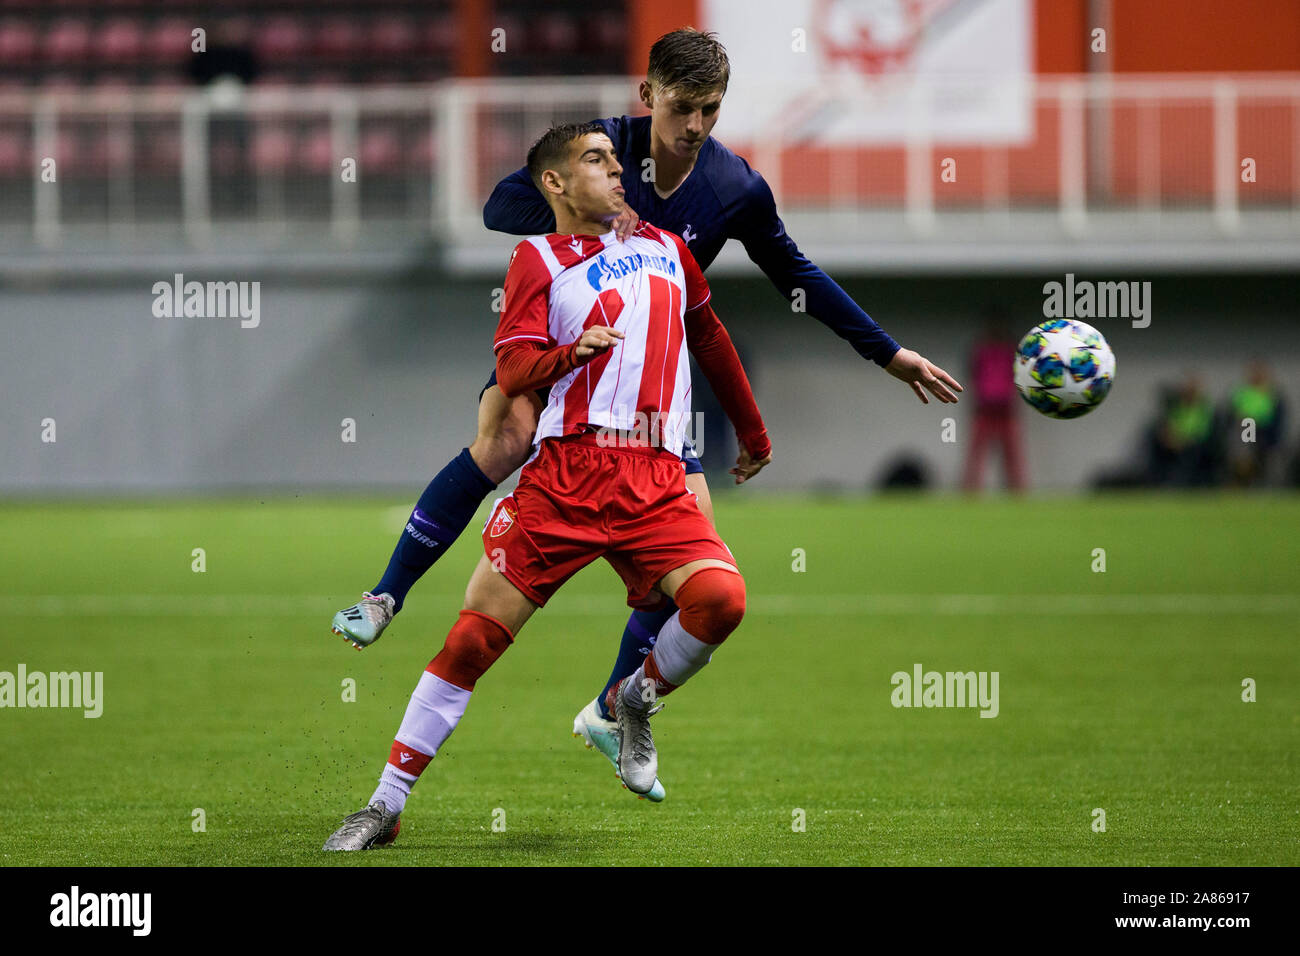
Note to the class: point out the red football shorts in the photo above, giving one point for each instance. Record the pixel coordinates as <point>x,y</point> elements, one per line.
<point>577,501</point>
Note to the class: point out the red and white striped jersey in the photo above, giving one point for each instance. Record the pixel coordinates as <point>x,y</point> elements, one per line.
<point>558,286</point>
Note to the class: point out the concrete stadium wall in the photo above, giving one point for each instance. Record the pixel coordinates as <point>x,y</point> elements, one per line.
<point>145,404</point>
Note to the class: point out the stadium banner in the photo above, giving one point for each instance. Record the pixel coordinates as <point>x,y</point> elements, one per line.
<point>876,71</point>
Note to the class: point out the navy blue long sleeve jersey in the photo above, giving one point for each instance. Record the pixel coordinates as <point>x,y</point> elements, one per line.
<point>721,199</point>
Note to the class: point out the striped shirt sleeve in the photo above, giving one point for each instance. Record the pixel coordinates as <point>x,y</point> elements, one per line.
<point>526,303</point>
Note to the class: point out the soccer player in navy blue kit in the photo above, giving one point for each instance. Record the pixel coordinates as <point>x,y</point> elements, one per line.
<point>695,187</point>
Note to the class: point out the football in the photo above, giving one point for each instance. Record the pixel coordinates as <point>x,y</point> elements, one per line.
<point>1064,368</point>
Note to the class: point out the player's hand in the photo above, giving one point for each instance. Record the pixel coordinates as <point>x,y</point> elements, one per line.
<point>625,223</point>
<point>594,341</point>
<point>747,467</point>
<point>916,371</point>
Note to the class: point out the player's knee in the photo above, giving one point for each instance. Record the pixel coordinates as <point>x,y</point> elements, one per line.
<point>712,603</point>
<point>472,646</point>
<point>729,602</point>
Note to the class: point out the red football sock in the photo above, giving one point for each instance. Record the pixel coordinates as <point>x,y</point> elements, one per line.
<point>473,645</point>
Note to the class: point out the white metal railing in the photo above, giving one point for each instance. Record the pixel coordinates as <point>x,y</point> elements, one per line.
<point>1097,145</point>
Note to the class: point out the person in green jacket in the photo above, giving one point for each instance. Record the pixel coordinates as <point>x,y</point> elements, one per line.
<point>1255,421</point>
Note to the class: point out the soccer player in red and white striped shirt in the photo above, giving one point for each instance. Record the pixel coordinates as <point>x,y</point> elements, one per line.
<point>604,323</point>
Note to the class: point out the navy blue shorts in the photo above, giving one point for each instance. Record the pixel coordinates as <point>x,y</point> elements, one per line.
<point>689,457</point>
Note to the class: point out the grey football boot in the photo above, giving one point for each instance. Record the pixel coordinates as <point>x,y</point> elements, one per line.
<point>600,734</point>
<point>362,623</point>
<point>638,761</point>
<point>366,829</point>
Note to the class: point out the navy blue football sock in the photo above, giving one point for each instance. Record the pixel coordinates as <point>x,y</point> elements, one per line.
<point>638,638</point>
<point>440,515</point>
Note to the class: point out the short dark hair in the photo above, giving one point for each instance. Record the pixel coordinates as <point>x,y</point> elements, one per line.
<point>552,148</point>
<point>689,61</point>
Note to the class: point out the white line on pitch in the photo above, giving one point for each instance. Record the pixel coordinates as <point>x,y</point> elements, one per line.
<point>582,605</point>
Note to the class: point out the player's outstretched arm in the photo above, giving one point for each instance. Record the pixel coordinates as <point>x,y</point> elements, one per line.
<point>917,371</point>
<point>713,349</point>
<point>799,279</point>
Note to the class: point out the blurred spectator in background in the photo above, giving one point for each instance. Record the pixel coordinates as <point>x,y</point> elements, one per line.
<point>1258,401</point>
<point>1182,439</point>
<point>996,404</point>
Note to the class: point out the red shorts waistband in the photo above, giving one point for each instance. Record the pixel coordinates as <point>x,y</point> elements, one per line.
<point>614,440</point>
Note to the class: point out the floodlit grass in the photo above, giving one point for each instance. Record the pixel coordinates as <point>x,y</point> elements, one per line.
<point>224,690</point>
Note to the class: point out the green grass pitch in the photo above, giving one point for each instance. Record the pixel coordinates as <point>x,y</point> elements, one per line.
<point>224,690</point>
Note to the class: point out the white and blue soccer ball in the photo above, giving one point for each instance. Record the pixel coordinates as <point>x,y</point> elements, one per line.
<point>1064,368</point>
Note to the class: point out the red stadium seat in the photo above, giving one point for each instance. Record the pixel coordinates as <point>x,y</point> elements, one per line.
<point>282,39</point>
<point>272,149</point>
<point>439,37</point>
<point>392,38</point>
<point>15,152</point>
<point>337,39</point>
<point>554,35</point>
<point>316,152</point>
<point>120,41</point>
<point>17,42</point>
<point>169,41</point>
<point>605,34</point>
<point>67,42</point>
<point>381,152</point>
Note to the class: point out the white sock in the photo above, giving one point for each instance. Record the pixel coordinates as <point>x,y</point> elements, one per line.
<point>394,787</point>
<point>678,655</point>
<point>433,713</point>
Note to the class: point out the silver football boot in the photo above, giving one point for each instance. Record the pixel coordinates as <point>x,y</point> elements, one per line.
<point>362,623</point>
<point>638,761</point>
<point>366,829</point>
<point>597,733</point>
